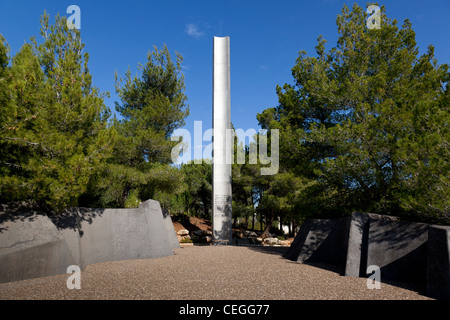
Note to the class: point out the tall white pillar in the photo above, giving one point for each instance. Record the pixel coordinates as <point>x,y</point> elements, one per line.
<point>221,215</point>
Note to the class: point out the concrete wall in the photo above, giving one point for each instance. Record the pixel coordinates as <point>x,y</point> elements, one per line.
<point>169,226</point>
<point>294,251</point>
<point>400,250</point>
<point>32,247</point>
<point>37,246</point>
<point>358,239</point>
<point>321,241</point>
<point>407,252</point>
<point>438,262</point>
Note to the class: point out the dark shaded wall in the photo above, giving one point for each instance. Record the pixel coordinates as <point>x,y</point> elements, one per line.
<point>321,241</point>
<point>408,252</point>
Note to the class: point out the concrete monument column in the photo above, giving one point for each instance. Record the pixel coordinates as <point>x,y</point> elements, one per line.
<point>221,197</point>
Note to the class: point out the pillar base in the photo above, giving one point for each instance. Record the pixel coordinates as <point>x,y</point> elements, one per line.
<point>221,243</point>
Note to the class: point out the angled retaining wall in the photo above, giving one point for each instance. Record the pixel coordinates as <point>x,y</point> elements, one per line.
<point>400,250</point>
<point>438,262</point>
<point>32,247</point>
<point>409,252</point>
<point>37,246</point>
<point>321,241</point>
<point>358,239</point>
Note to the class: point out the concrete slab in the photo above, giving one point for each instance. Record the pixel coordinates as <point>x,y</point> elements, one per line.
<point>35,245</point>
<point>438,262</point>
<point>169,226</point>
<point>356,262</point>
<point>322,241</point>
<point>406,252</point>
<point>32,247</point>
<point>296,247</point>
<point>399,249</point>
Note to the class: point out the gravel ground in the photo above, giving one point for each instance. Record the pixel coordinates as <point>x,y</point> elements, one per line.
<point>207,272</point>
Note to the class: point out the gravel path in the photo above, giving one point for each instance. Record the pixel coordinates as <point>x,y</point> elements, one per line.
<point>206,272</point>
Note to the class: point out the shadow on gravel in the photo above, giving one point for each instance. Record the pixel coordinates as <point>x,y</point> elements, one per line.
<point>280,251</point>
<point>325,266</point>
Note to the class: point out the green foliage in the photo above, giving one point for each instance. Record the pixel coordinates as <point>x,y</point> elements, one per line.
<point>363,127</point>
<point>197,189</point>
<point>152,106</point>
<point>170,201</point>
<point>53,133</point>
<point>367,121</point>
<point>270,196</point>
<point>56,145</point>
<point>132,200</point>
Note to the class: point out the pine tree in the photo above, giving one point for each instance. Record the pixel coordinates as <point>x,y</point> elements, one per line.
<point>368,120</point>
<point>152,106</point>
<point>54,125</point>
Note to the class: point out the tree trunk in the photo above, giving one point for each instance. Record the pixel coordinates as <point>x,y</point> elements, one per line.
<point>125,192</point>
<point>265,233</point>
<point>281,225</point>
<point>205,208</point>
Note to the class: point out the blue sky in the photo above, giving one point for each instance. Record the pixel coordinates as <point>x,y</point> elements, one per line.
<point>265,37</point>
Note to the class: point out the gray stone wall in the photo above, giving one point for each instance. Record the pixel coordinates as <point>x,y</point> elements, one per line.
<point>34,245</point>
<point>405,252</point>
<point>321,241</point>
<point>438,262</point>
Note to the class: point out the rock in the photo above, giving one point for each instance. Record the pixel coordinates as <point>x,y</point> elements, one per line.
<point>243,241</point>
<point>201,236</point>
<point>183,238</point>
<point>240,235</point>
<point>183,232</point>
<point>250,234</point>
<point>199,233</point>
<point>272,241</point>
